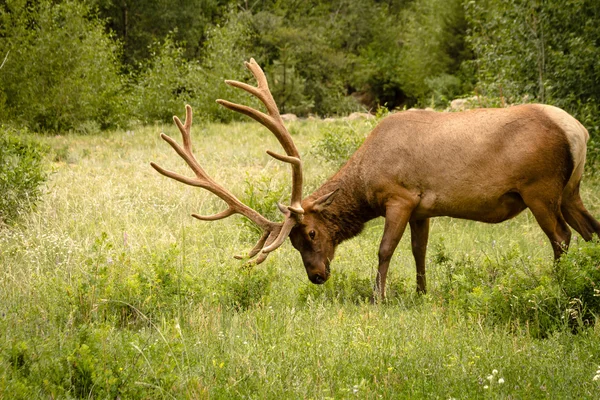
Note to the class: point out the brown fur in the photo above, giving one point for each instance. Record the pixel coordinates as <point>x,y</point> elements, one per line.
<point>486,165</point>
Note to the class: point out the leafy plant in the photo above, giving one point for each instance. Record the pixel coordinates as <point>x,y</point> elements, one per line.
<point>170,80</point>
<point>513,290</point>
<point>22,172</point>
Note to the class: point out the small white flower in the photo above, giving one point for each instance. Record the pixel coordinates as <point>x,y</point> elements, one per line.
<point>596,378</point>
<point>486,387</point>
<point>500,381</point>
<point>490,377</point>
<point>495,372</point>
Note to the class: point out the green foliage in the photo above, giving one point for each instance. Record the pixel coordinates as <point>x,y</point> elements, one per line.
<point>262,193</point>
<point>166,85</point>
<point>140,23</point>
<point>540,51</point>
<point>224,54</point>
<point>434,48</point>
<point>22,172</point>
<point>305,66</point>
<point>321,57</point>
<point>338,143</point>
<point>578,275</point>
<point>170,80</point>
<point>510,289</point>
<point>246,289</point>
<point>62,70</point>
<point>414,55</point>
<point>343,287</point>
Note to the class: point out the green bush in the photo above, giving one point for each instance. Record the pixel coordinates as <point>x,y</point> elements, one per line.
<point>262,193</point>
<point>62,70</point>
<point>513,290</point>
<point>246,288</point>
<point>166,85</point>
<point>578,275</point>
<point>169,81</point>
<point>22,173</point>
<point>339,142</point>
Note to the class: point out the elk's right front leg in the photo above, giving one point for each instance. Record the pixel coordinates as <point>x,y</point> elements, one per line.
<point>419,235</point>
<point>396,218</point>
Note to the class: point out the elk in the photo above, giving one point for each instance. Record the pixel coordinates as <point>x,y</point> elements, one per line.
<point>485,165</point>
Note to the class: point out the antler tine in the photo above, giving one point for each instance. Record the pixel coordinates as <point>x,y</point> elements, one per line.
<point>203,180</point>
<point>275,124</point>
<point>185,128</point>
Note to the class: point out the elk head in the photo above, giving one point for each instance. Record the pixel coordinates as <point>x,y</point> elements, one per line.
<point>312,238</point>
<point>315,253</point>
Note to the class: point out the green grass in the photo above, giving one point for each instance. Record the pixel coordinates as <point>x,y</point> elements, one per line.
<point>111,290</point>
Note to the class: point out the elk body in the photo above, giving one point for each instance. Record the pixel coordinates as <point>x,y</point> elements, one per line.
<point>485,165</point>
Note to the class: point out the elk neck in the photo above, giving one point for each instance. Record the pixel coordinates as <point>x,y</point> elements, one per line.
<point>349,210</point>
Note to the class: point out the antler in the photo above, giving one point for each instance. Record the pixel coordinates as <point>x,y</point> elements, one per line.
<point>275,124</point>
<point>274,234</point>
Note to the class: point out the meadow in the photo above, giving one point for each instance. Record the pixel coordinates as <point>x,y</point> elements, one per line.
<point>109,289</point>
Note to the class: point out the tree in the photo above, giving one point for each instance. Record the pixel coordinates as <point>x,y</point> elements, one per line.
<point>543,50</point>
<point>63,69</point>
<point>138,24</point>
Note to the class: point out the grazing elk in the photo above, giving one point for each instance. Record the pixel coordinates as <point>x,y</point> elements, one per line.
<point>486,165</point>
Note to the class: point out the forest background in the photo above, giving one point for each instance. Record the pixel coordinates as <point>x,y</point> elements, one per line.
<point>91,65</point>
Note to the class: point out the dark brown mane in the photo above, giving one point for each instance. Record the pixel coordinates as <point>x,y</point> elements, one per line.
<point>347,214</point>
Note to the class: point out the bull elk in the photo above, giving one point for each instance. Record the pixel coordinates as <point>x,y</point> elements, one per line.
<point>485,165</point>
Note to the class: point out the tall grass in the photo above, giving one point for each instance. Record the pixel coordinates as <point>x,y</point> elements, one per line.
<point>111,290</point>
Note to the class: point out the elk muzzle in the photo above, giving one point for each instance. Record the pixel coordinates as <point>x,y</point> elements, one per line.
<point>318,275</point>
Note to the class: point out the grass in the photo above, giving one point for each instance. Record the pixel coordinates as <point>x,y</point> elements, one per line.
<point>111,290</point>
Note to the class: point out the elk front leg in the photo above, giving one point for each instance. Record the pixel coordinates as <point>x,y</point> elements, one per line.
<point>396,218</point>
<point>419,234</point>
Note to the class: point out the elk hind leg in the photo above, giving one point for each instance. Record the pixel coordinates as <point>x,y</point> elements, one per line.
<point>419,235</point>
<point>578,217</point>
<point>547,212</point>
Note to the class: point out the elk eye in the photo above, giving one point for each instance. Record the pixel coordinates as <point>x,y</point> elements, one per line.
<point>311,234</point>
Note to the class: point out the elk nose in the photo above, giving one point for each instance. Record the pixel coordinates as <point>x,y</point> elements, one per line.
<point>318,279</point>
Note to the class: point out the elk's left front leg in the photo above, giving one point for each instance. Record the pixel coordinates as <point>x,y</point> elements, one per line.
<point>396,218</point>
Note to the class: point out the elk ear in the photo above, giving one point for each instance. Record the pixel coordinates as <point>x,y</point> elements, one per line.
<point>324,201</point>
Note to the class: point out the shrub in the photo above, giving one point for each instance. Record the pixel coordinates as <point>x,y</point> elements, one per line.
<point>339,142</point>
<point>246,288</point>
<point>517,291</point>
<point>166,85</point>
<point>578,275</point>
<point>22,173</point>
<point>262,193</point>
<point>62,69</point>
